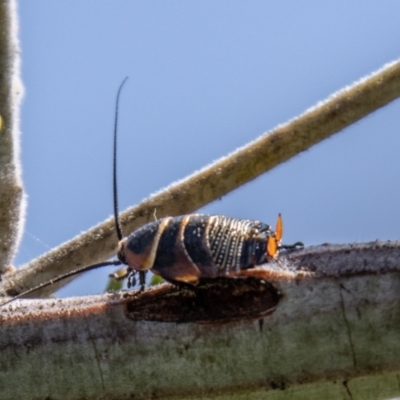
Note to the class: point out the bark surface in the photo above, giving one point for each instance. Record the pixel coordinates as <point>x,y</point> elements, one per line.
<point>332,333</point>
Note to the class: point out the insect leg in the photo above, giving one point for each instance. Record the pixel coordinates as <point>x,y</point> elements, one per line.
<point>294,246</point>
<point>142,279</point>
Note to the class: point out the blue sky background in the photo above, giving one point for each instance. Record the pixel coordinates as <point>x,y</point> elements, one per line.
<point>204,78</point>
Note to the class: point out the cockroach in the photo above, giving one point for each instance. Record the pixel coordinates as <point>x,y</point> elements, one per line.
<point>186,249</point>
<point>189,248</point>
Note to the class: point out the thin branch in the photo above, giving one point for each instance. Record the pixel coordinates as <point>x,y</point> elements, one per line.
<point>333,334</point>
<point>12,201</point>
<point>269,150</point>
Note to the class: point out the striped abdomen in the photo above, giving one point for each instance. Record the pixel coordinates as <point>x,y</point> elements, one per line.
<point>191,247</point>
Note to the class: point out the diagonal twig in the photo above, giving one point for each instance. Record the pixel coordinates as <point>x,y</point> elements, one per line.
<point>219,178</point>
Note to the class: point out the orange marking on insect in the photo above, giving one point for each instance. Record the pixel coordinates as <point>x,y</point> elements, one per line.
<point>193,279</point>
<point>272,247</point>
<point>279,228</point>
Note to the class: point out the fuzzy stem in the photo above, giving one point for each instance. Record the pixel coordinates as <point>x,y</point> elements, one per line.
<point>219,178</point>
<point>12,201</point>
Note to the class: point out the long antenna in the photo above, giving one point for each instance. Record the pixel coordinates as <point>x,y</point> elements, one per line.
<point>115,189</point>
<point>60,278</point>
<point>117,223</point>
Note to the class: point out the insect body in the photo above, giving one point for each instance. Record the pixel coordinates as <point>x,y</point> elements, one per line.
<point>187,248</point>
